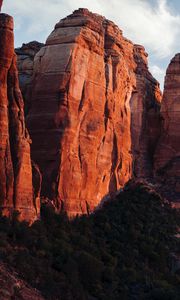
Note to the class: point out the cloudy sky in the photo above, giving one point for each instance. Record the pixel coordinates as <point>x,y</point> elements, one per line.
<point>152,23</point>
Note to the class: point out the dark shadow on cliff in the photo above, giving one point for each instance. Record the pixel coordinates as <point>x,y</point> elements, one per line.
<point>145,116</point>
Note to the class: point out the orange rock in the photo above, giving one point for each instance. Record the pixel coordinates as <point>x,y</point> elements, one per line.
<point>16,191</point>
<point>80,117</point>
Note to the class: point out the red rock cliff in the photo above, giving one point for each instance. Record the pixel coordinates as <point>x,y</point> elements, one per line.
<point>16,191</point>
<point>80,118</point>
<point>167,156</point>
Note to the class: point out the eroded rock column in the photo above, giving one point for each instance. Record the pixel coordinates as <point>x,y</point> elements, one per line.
<point>16,190</point>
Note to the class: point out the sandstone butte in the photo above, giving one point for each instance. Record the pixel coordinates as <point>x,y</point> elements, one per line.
<point>94,112</point>
<point>16,190</point>
<point>167,156</point>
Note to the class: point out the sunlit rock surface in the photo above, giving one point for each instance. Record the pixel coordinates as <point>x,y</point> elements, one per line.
<point>84,82</point>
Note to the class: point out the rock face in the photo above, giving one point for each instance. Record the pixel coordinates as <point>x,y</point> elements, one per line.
<point>145,116</point>
<point>167,156</point>
<point>85,79</point>
<point>25,63</point>
<point>16,191</point>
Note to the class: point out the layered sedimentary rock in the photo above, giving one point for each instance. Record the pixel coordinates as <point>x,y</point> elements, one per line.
<point>145,116</point>
<point>167,156</point>
<point>25,63</point>
<point>80,119</point>
<point>16,190</point>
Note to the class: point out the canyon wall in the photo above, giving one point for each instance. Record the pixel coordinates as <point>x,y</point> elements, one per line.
<point>16,190</point>
<point>85,79</point>
<point>167,156</point>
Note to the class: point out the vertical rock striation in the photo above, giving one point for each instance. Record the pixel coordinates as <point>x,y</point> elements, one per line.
<point>80,120</point>
<point>79,123</point>
<point>167,156</point>
<point>16,191</point>
<point>145,116</point>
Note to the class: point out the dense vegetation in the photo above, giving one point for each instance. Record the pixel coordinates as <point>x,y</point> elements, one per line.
<point>123,251</point>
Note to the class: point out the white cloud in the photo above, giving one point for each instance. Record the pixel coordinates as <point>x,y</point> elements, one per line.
<point>158,73</point>
<point>156,70</point>
<point>154,26</point>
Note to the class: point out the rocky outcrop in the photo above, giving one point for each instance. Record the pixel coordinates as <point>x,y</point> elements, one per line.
<point>85,79</point>
<point>145,116</point>
<point>16,190</point>
<point>12,287</point>
<point>167,156</point>
<point>25,62</point>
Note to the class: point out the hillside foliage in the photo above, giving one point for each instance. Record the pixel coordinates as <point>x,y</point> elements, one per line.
<point>122,251</point>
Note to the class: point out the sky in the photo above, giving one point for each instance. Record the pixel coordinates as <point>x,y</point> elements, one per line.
<point>153,23</point>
